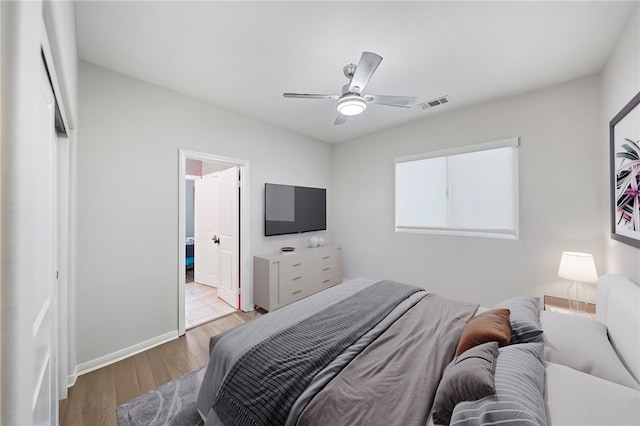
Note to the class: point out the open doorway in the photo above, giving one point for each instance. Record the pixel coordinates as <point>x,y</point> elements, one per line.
<point>212,219</point>
<point>212,204</point>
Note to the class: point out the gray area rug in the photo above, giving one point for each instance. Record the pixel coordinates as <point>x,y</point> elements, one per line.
<point>172,404</point>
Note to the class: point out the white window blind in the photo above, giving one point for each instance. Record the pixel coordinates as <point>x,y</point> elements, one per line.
<point>462,191</point>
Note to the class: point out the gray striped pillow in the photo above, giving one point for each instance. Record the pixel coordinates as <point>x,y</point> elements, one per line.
<point>525,319</point>
<point>519,397</point>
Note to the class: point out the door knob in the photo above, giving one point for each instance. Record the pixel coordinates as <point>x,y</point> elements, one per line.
<point>216,240</point>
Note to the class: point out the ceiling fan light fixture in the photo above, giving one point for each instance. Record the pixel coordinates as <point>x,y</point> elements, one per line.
<point>351,105</point>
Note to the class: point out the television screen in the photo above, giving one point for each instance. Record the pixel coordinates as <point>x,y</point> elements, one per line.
<point>294,209</point>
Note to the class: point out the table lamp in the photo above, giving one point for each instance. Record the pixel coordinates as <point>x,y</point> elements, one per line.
<point>579,268</point>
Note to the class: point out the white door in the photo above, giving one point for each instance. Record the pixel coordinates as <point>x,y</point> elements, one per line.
<point>206,262</point>
<point>228,235</point>
<point>44,384</point>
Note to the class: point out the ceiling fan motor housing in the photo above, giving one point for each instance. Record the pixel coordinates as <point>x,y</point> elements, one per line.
<point>349,70</point>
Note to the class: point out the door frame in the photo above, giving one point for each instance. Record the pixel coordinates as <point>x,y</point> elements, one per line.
<point>245,272</point>
<point>63,197</point>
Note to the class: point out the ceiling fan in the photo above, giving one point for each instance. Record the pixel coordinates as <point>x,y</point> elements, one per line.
<point>352,101</point>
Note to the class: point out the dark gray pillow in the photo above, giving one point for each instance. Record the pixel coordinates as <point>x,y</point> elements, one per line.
<point>519,396</point>
<point>466,378</point>
<point>525,319</point>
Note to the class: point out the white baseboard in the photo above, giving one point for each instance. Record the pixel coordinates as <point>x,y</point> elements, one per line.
<point>71,379</point>
<point>109,359</point>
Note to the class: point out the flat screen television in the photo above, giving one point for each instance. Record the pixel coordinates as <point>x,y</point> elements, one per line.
<point>293,209</point>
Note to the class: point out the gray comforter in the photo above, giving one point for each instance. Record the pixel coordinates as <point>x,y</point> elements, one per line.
<point>386,374</point>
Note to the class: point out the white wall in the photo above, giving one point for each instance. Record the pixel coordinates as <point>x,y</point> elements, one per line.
<point>128,199</point>
<point>21,243</point>
<point>560,197</point>
<point>620,83</point>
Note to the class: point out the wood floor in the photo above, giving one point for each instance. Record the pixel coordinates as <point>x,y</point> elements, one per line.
<point>93,399</point>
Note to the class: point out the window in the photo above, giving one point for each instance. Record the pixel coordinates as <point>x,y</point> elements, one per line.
<point>471,190</point>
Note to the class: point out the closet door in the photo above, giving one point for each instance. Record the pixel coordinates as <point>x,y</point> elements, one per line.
<point>44,304</point>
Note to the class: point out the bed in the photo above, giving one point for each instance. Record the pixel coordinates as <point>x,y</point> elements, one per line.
<point>385,353</point>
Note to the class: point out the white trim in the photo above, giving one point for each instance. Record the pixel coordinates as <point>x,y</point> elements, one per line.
<point>516,192</point>
<point>246,278</point>
<point>507,234</point>
<point>72,259</point>
<point>71,379</point>
<point>64,172</point>
<point>103,361</point>
<point>182,235</point>
<point>246,270</point>
<point>485,146</point>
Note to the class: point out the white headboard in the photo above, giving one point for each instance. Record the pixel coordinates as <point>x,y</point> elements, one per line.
<point>618,306</point>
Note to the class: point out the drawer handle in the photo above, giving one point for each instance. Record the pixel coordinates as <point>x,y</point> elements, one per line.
<point>296,292</point>
<point>326,281</point>
<point>326,257</point>
<point>296,265</point>
<point>326,269</point>
<point>296,278</point>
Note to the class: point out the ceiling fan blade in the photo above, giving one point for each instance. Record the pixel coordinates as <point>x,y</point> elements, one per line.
<point>309,96</point>
<point>366,67</point>
<point>396,101</point>
<point>340,119</point>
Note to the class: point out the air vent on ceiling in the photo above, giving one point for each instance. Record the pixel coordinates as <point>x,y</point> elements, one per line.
<point>434,102</point>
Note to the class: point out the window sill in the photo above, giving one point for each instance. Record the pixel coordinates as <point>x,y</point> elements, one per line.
<point>506,234</point>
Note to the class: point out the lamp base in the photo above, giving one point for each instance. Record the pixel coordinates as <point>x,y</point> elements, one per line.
<point>579,306</point>
<point>574,293</point>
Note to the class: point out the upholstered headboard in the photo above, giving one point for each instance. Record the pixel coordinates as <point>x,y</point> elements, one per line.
<point>618,306</point>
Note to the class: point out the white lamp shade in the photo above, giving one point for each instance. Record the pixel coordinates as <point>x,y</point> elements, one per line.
<point>576,266</point>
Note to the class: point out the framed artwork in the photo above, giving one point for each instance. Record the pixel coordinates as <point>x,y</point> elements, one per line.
<point>624,158</point>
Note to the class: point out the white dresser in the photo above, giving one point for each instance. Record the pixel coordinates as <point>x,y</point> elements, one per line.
<point>279,279</point>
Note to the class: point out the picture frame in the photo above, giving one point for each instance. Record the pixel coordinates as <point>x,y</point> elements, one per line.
<point>624,160</point>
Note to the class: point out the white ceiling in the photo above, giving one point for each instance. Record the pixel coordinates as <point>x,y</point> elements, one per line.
<point>244,55</point>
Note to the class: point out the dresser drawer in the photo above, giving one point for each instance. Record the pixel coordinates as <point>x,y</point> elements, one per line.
<point>328,258</point>
<point>292,263</point>
<point>294,278</point>
<point>328,276</point>
<point>293,293</point>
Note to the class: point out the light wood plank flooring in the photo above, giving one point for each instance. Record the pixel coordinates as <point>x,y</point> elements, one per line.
<point>95,396</point>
